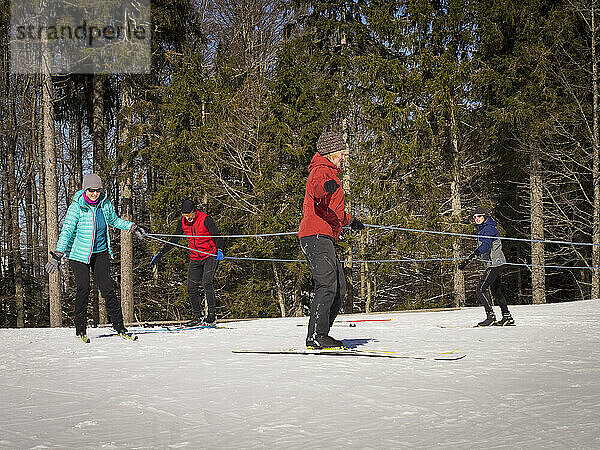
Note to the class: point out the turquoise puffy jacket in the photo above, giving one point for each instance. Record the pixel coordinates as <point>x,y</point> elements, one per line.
<point>76,238</point>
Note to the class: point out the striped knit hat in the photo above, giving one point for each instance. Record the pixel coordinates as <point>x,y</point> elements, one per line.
<point>330,142</point>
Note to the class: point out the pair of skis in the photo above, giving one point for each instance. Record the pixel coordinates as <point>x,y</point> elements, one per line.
<point>133,335</point>
<point>343,351</point>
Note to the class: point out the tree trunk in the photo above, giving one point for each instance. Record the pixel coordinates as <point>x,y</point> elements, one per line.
<point>42,202</point>
<point>16,231</point>
<point>51,193</point>
<point>538,273</point>
<point>367,276</point>
<point>460,295</point>
<point>596,160</point>
<point>99,144</point>
<point>127,214</point>
<point>362,268</point>
<point>98,131</point>
<point>279,290</point>
<point>29,180</point>
<point>370,297</point>
<point>348,302</point>
<point>297,295</point>
<point>6,237</point>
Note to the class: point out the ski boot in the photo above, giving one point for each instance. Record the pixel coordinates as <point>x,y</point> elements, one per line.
<point>122,332</point>
<point>81,335</point>
<point>311,344</point>
<point>194,322</point>
<point>488,322</point>
<point>210,319</point>
<point>325,341</point>
<point>506,321</point>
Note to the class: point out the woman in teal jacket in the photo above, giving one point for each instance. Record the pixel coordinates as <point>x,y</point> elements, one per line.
<point>85,242</point>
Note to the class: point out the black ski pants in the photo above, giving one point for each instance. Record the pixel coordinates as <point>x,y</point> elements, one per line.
<point>100,265</point>
<point>330,283</point>
<point>202,273</point>
<point>490,283</point>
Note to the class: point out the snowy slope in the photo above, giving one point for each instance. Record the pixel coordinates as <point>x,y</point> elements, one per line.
<point>536,385</point>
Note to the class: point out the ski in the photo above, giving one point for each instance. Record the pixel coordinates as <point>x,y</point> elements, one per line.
<point>365,320</point>
<point>168,330</point>
<point>195,327</point>
<point>470,326</point>
<point>451,356</point>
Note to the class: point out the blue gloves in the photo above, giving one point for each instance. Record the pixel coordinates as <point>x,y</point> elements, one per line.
<point>219,255</point>
<point>155,259</point>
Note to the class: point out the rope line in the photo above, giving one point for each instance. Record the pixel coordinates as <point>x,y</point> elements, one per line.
<point>181,246</point>
<point>447,233</point>
<point>374,261</point>
<point>385,227</point>
<point>225,235</point>
<point>303,260</point>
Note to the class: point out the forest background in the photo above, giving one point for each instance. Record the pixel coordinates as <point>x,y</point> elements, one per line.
<point>445,105</point>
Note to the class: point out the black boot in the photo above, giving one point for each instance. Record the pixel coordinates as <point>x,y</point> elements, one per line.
<point>325,341</point>
<point>194,322</point>
<point>210,319</point>
<point>488,322</point>
<point>506,321</point>
<point>120,328</point>
<point>81,335</point>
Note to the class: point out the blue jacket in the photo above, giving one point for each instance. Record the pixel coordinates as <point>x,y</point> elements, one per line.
<point>77,236</point>
<point>490,248</point>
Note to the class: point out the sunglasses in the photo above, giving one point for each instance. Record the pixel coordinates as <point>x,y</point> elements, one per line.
<point>478,215</point>
<point>94,190</point>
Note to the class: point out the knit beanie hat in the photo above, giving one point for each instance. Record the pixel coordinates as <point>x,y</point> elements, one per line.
<point>330,142</point>
<point>92,181</point>
<point>187,206</point>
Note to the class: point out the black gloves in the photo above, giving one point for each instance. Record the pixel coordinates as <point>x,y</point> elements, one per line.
<point>356,224</point>
<point>463,264</point>
<point>54,262</point>
<point>331,186</point>
<point>139,232</point>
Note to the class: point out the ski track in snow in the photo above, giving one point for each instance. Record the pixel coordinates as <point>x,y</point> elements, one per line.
<point>536,385</point>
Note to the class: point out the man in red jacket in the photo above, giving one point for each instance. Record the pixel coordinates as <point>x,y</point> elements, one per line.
<point>201,230</point>
<point>322,221</point>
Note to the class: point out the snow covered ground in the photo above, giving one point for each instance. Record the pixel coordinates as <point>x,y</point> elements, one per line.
<point>536,385</point>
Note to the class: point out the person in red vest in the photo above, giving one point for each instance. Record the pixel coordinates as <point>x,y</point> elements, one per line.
<point>207,251</point>
<point>322,221</point>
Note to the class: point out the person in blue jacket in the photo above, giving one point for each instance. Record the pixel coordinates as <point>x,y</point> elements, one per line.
<point>85,242</point>
<point>489,251</point>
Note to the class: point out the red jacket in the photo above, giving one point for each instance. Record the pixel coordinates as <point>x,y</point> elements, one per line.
<point>323,213</point>
<point>206,245</point>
